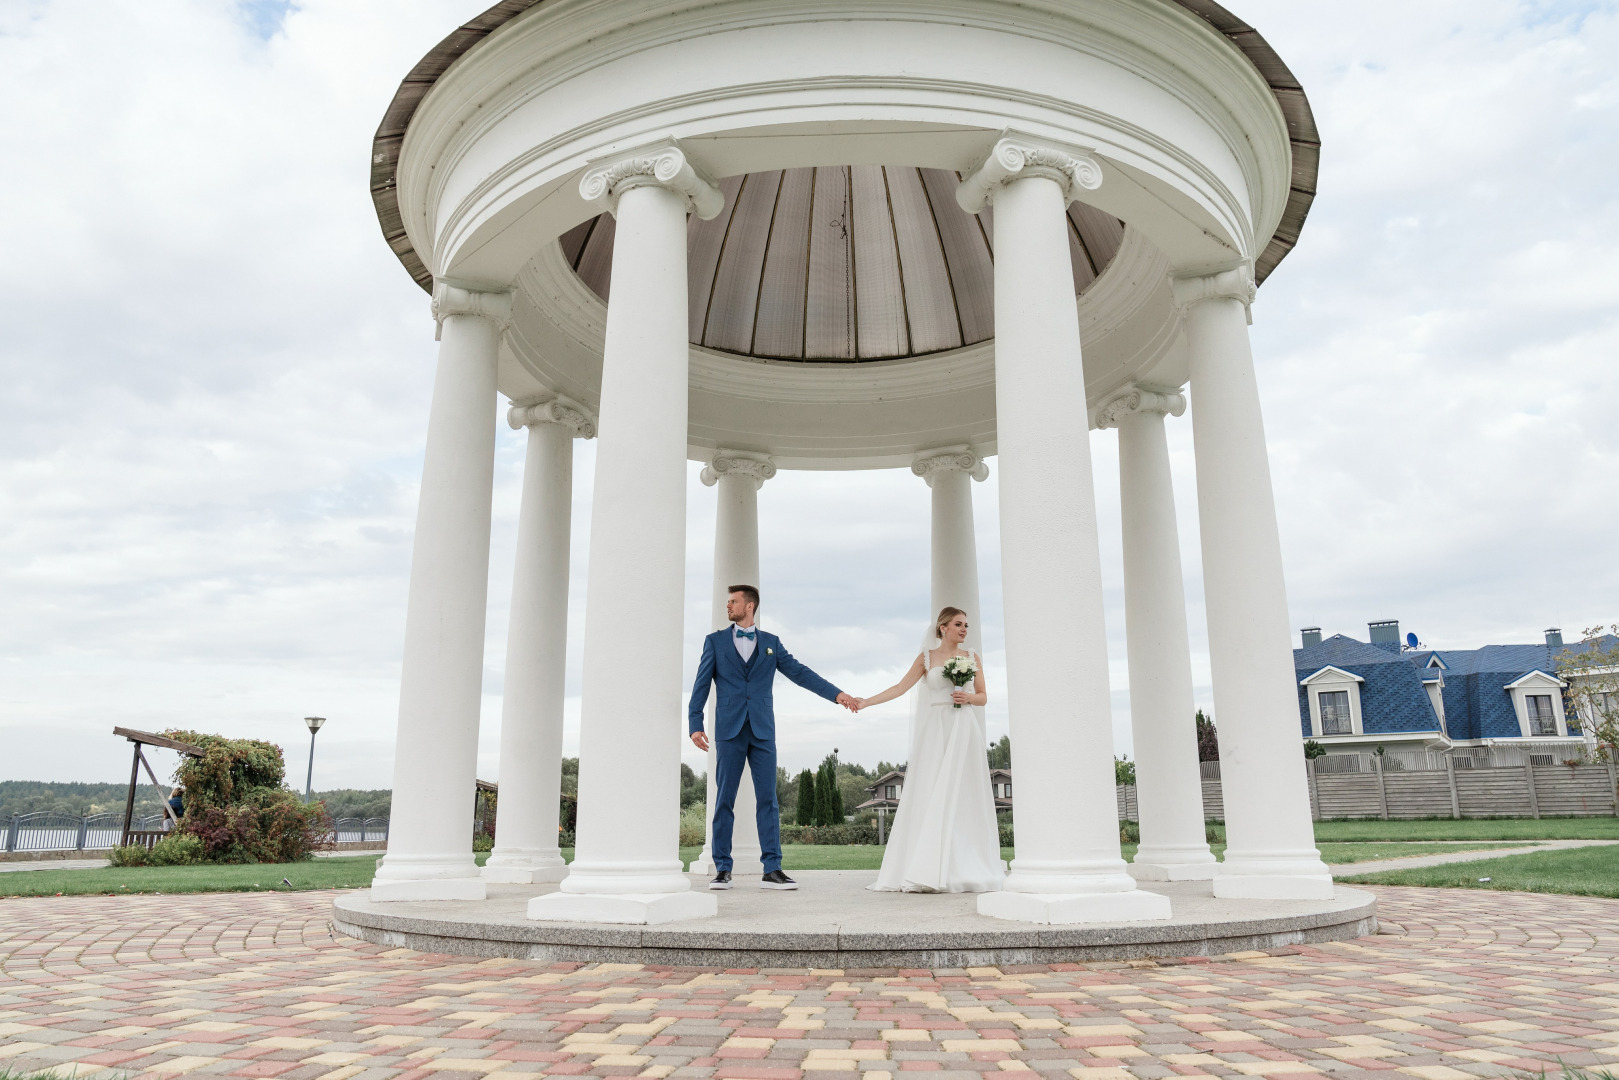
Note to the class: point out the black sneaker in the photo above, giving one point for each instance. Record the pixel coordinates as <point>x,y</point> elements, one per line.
<point>722,880</point>
<point>776,880</point>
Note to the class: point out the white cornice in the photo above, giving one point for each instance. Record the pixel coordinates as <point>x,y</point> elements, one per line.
<point>1331,674</point>
<point>555,42</point>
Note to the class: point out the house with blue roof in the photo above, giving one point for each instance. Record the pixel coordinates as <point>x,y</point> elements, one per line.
<point>1355,696</point>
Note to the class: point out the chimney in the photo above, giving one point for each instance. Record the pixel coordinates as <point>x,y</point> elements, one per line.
<point>1385,634</point>
<point>1311,636</point>
<point>1554,638</point>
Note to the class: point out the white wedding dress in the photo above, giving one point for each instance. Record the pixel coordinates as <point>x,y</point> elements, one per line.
<point>945,837</point>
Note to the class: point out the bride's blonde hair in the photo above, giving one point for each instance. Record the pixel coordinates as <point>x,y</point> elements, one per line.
<point>945,615</point>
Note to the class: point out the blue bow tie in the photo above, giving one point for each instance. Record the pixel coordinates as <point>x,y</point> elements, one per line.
<point>741,633</point>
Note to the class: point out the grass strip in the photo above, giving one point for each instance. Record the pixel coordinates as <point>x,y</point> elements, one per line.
<point>1592,871</point>
<point>355,872</point>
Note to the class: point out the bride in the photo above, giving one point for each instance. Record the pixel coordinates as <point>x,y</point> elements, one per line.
<point>945,837</point>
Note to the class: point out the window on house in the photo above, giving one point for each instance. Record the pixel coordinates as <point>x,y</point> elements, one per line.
<point>1542,720</point>
<point>1608,705</point>
<point>1335,719</point>
<point>890,792</point>
<point>1006,790</point>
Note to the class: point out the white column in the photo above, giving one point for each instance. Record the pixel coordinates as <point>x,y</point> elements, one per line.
<point>949,474</point>
<point>441,683</point>
<point>738,477</point>
<point>1068,868</point>
<point>1271,849</point>
<point>1169,786</point>
<point>627,865</point>
<point>526,848</point>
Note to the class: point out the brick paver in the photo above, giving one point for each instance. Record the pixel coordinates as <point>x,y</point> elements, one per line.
<point>1461,984</point>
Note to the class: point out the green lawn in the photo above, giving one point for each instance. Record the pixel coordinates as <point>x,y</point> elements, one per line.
<point>1593,828</point>
<point>1592,871</point>
<point>354,872</point>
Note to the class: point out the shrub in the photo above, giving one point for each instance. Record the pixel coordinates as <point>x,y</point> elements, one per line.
<point>1213,833</point>
<point>1006,833</point>
<point>482,841</point>
<point>176,849</point>
<point>849,832</point>
<point>694,825</point>
<point>236,807</point>
<point>1129,832</point>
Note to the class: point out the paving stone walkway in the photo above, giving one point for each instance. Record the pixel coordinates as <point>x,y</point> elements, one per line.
<point>1460,984</point>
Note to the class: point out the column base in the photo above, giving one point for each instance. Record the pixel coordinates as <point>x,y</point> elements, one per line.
<point>644,909</point>
<point>1137,905</point>
<point>523,869</point>
<point>1282,876</point>
<point>430,889</point>
<point>1191,863</point>
<point>427,877</point>
<point>1173,871</point>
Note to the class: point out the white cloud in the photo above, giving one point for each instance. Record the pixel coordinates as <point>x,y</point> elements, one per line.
<point>216,380</point>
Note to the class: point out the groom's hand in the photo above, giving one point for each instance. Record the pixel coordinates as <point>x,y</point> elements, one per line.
<point>852,704</point>
<point>700,739</point>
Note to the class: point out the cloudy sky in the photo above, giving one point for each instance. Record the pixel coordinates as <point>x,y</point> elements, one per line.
<point>216,376</point>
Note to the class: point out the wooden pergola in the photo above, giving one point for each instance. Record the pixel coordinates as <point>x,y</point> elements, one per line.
<point>148,837</point>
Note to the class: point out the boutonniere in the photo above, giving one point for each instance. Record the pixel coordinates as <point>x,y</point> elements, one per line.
<point>769,651</point>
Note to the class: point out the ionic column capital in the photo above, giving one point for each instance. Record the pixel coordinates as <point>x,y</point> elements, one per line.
<point>664,165</point>
<point>931,463</point>
<point>1017,157</point>
<point>494,305</point>
<point>1234,283</point>
<point>557,410</point>
<point>1139,399</point>
<point>737,463</point>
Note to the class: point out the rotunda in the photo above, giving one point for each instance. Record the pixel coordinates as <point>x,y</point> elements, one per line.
<point>838,235</point>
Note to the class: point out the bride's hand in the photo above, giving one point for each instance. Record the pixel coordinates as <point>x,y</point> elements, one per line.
<point>961,697</point>
<point>859,703</point>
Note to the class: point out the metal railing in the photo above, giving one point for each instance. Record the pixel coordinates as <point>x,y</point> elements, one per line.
<point>350,830</point>
<point>45,830</point>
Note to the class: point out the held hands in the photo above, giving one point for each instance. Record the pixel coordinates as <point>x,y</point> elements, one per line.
<point>849,702</point>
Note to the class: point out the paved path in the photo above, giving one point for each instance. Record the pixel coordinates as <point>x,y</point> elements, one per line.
<point>53,864</point>
<point>1461,984</point>
<point>1411,862</point>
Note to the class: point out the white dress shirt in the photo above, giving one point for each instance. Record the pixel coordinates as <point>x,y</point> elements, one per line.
<point>744,646</point>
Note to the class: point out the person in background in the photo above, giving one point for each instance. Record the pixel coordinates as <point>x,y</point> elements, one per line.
<point>177,807</point>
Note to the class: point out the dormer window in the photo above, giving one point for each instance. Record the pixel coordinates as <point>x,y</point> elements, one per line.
<point>1336,718</point>
<point>1537,698</point>
<point>1334,697</point>
<point>1542,718</point>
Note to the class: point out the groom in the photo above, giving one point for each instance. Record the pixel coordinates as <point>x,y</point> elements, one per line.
<point>744,660</point>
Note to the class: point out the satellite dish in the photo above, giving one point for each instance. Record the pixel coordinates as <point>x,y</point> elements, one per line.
<point>1411,640</point>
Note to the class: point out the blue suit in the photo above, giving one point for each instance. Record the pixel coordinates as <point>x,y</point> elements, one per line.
<point>745,731</point>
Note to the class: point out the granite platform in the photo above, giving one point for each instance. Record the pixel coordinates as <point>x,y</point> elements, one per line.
<point>832,921</point>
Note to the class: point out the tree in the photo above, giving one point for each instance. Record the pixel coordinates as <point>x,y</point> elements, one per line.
<point>1000,754</point>
<point>1124,771</point>
<point>1208,740</point>
<point>1592,672</point>
<point>807,799</point>
<point>831,799</point>
<point>1313,750</point>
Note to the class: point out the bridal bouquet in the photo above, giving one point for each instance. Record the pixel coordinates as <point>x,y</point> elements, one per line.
<point>961,671</point>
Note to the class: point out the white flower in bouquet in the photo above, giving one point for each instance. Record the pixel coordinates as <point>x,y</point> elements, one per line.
<point>960,670</point>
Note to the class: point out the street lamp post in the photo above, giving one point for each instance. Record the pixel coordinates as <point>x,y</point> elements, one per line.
<point>314,723</point>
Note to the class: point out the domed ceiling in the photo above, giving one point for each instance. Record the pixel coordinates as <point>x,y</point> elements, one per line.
<point>846,263</point>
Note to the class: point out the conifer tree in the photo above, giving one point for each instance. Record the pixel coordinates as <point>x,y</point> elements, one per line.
<point>808,798</point>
